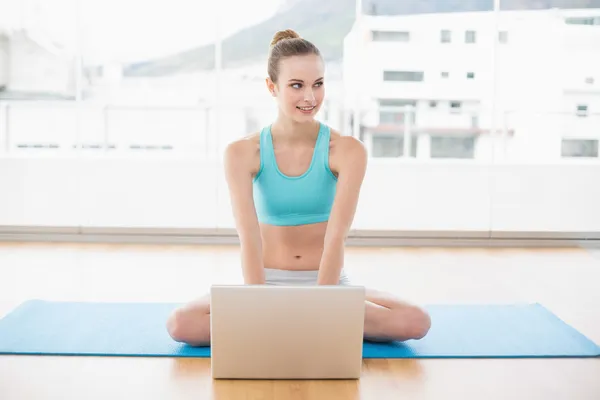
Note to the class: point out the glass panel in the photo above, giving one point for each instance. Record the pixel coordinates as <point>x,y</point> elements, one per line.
<point>547,111</point>
<point>107,78</point>
<point>385,146</point>
<point>579,148</point>
<point>446,36</point>
<point>243,92</point>
<point>38,76</point>
<point>149,86</point>
<point>407,76</point>
<point>470,36</point>
<point>390,36</point>
<point>37,50</point>
<point>453,147</point>
<point>503,36</point>
<point>435,133</point>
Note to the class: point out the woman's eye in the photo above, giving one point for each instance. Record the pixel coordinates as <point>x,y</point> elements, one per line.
<point>299,85</point>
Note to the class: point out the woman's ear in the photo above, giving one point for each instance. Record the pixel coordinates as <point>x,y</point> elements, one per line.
<point>271,86</point>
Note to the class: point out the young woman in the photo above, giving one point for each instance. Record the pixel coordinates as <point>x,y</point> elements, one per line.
<point>294,189</point>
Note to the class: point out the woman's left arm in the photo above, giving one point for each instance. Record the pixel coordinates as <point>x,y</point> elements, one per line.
<point>351,168</point>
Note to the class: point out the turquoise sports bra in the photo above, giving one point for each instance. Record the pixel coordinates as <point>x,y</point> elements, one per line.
<point>294,200</point>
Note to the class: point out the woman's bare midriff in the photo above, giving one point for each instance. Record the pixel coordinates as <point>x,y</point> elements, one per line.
<point>293,247</point>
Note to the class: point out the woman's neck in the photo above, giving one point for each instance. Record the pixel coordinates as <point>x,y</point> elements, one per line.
<point>291,130</point>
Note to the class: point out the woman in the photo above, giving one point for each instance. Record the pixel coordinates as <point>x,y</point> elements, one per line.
<point>294,189</point>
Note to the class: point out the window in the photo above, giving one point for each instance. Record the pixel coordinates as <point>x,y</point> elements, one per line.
<point>403,76</point>
<point>470,37</point>
<point>390,36</point>
<point>77,92</point>
<point>394,116</point>
<point>575,148</point>
<point>445,36</point>
<point>452,147</point>
<point>582,110</point>
<point>583,21</point>
<point>503,37</point>
<point>391,117</point>
<point>392,145</point>
<point>397,102</point>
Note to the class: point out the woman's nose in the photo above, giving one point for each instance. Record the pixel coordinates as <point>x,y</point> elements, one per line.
<point>309,95</point>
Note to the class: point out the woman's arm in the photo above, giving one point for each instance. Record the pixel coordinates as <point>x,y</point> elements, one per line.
<point>351,168</point>
<point>239,159</point>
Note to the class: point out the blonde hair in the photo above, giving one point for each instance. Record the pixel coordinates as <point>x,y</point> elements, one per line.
<point>283,35</point>
<point>287,43</point>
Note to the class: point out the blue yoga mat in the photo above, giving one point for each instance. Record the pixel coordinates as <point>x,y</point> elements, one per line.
<point>138,329</point>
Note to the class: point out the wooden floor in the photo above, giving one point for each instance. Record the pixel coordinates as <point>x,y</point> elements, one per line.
<point>564,280</point>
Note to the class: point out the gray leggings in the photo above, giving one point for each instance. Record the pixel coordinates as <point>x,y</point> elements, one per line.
<point>279,277</point>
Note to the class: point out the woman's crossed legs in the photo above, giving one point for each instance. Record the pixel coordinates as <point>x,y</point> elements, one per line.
<point>386,318</point>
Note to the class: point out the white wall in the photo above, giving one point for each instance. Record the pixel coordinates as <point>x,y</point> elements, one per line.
<point>546,198</point>
<point>444,197</point>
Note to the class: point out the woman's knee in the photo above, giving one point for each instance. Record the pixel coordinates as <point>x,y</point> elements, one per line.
<point>420,322</point>
<point>176,325</point>
<point>187,324</point>
<point>406,323</point>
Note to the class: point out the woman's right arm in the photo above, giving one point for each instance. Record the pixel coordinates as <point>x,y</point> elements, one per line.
<point>239,159</point>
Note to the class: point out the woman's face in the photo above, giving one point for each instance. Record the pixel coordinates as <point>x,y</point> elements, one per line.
<point>299,90</point>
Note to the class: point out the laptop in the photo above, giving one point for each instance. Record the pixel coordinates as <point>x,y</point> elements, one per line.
<point>286,332</point>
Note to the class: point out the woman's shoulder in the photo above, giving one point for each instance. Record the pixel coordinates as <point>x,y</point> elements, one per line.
<point>245,145</point>
<point>245,150</point>
<point>345,152</point>
<point>344,143</point>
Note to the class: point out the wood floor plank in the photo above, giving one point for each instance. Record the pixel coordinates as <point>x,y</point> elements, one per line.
<point>564,280</point>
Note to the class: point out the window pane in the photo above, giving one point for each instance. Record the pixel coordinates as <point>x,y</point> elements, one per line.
<point>583,20</point>
<point>446,36</point>
<point>452,147</point>
<point>397,111</point>
<point>547,99</point>
<point>390,36</point>
<point>385,146</point>
<point>579,148</point>
<point>38,76</point>
<point>546,116</point>
<point>470,36</point>
<point>582,110</point>
<point>397,102</point>
<point>407,76</point>
<point>149,90</point>
<point>37,50</point>
<point>503,37</point>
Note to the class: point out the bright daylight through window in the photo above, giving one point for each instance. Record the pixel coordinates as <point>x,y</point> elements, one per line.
<point>454,101</point>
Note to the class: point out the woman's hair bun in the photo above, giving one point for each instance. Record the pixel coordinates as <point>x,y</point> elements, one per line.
<point>283,35</point>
